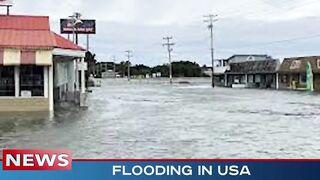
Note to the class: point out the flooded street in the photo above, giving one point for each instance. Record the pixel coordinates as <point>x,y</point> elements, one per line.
<point>151,119</point>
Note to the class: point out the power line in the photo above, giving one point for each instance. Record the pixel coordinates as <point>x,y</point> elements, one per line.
<point>281,41</point>
<point>170,49</point>
<point>263,12</point>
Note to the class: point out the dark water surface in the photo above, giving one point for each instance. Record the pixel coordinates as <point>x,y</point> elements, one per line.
<point>151,119</point>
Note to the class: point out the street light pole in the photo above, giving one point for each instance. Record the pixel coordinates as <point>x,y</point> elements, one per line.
<point>210,19</point>
<point>76,20</point>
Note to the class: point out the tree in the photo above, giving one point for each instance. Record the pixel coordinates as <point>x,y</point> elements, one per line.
<point>140,69</point>
<point>91,61</point>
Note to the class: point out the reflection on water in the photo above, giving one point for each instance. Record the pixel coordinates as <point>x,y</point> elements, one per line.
<point>151,119</point>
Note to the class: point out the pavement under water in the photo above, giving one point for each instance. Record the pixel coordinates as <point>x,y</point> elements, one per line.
<point>152,119</point>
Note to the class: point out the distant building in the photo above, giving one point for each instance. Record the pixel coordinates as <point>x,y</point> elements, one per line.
<point>252,71</point>
<point>221,66</point>
<point>105,70</point>
<point>207,70</point>
<point>293,73</point>
<point>109,74</point>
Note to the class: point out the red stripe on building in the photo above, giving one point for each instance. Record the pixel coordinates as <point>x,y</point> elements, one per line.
<point>1,56</point>
<point>28,57</point>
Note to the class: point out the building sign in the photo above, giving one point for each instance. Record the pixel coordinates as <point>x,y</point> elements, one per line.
<point>295,64</point>
<point>87,27</point>
<point>6,2</point>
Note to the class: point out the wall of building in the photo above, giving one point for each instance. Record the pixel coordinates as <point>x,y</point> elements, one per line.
<point>64,80</point>
<point>219,80</point>
<point>24,104</point>
<point>37,102</point>
<point>254,80</point>
<point>288,83</point>
<point>316,78</point>
<point>235,79</point>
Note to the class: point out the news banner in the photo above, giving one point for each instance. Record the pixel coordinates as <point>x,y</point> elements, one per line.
<point>58,164</point>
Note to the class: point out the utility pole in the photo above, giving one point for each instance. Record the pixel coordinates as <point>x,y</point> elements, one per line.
<point>129,55</point>
<point>114,66</point>
<point>169,44</point>
<point>210,19</point>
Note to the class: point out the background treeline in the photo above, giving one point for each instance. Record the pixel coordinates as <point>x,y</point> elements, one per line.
<point>179,69</point>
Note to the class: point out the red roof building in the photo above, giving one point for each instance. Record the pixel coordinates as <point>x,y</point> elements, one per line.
<point>36,64</point>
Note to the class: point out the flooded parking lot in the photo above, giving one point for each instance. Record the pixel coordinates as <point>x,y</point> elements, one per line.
<point>151,119</point>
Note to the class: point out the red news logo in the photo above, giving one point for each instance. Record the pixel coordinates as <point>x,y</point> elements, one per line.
<point>36,160</point>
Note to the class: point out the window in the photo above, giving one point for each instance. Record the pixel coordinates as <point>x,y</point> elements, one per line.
<point>31,81</point>
<point>251,79</point>
<point>7,81</point>
<point>257,78</point>
<point>303,79</point>
<point>284,79</point>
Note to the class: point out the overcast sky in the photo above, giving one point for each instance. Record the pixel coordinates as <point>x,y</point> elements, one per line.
<point>280,28</point>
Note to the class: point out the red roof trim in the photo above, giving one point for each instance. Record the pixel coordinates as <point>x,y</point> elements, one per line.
<point>63,43</point>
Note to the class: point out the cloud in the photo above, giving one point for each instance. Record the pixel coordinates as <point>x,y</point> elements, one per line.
<point>245,26</point>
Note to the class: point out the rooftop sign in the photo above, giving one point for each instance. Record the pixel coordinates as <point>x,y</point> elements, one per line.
<point>87,27</point>
<point>6,2</point>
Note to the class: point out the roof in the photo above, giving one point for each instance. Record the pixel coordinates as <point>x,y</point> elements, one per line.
<point>24,22</point>
<point>299,64</point>
<point>254,67</point>
<point>26,39</point>
<point>63,43</point>
<point>31,32</point>
<point>248,57</point>
<point>256,55</point>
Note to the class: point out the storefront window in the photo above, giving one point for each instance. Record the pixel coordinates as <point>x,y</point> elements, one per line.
<point>257,78</point>
<point>284,79</point>
<point>251,79</point>
<point>31,81</point>
<point>7,81</point>
<point>303,79</point>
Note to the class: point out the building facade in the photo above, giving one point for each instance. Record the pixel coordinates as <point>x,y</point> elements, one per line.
<point>293,73</point>
<point>252,73</point>
<point>28,49</point>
